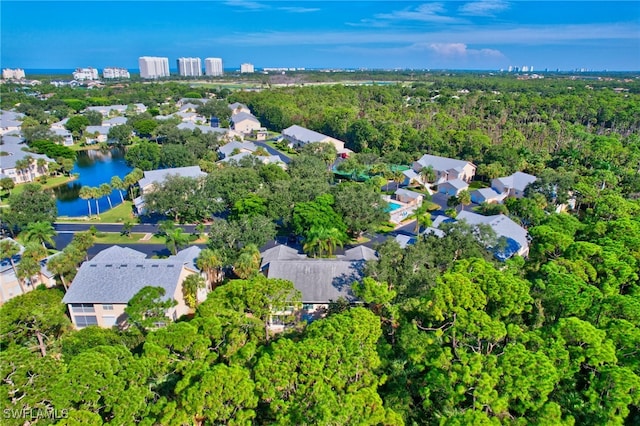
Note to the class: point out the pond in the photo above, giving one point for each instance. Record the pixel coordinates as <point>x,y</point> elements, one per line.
<point>95,168</point>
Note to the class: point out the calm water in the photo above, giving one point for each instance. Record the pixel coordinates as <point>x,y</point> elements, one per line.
<point>95,167</point>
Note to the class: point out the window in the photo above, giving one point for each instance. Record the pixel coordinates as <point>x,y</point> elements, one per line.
<point>85,320</point>
<point>108,321</point>
<point>108,307</point>
<point>82,307</point>
<point>307,307</point>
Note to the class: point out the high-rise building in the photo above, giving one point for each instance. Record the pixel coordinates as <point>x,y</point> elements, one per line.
<point>213,66</point>
<point>112,72</point>
<point>13,74</point>
<point>153,67</point>
<point>189,67</point>
<point>85,74</point>
<point>246,68</point>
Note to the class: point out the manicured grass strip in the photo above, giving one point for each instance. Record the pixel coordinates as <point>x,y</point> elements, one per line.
<point>119,214</point>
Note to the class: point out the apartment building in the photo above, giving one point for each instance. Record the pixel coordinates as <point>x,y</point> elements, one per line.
<point>153,67</point>
<point>213,66</point>
<point>189,67</point>
<point>112,72</point>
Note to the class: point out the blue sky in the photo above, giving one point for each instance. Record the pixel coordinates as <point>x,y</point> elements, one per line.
<point>485,34</point>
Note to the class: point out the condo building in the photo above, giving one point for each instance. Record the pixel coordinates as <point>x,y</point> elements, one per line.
<point>112,72</point>
<point>13,74</point>
<point>246,68</point>
<point>213,66</point>
<point>85,74</point>
<point>189,67</point>
<point>153,67</point>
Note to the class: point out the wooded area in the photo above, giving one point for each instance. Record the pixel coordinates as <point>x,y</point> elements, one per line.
<point>446,334</point>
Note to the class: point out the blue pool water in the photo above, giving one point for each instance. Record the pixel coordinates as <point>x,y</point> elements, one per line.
<point>393,206</point>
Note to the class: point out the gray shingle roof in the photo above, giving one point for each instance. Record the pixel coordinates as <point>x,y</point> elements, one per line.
<point>360,253</point>
<point>455,183</point>
<point>116,274</point>
<point>161,174</point>
<point>228,148</point>
<point>410,194</point>
<point>102,130</point>
<point>319,280</point>
<point>303,134</point>
<point>501,224</point>
<point>280,252</point>
<point>441,163</point>
<point>241,116</point>
<point>203,128</point>
<point>518,180</point>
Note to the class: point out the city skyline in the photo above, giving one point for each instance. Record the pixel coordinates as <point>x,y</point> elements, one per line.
<point>486,34</point>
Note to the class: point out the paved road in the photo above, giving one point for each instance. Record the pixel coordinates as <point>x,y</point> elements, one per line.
<point>115,227</point>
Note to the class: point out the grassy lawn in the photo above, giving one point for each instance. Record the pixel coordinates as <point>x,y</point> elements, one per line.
<point>285,150</point>
<point>52,182</point>
<point>476,184</point>
<point>136,238</point>
<point>118,214</point>
<point>81,147</point>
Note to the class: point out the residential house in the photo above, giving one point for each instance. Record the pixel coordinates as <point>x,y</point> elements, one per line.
<point>96,134</point>
<point>64,134</point>
<point>9,284</point>
<point>513,239</point>
<point>224,134</point>
<point>60,124</point>
<point>235,147</point>
<point>486,195</point>
<point>245,123</point>
<point>194,101</point>
<point>104,285</point>
<point>152,177</point>
<point>513,185</point>
<point>109,110</point>
<point>320,281</point>
<point>190,117</point>
<point>115,121</point>
<point>12,145</point>
<point>452,187</point>
<point>237,107</point>
<point>446,168</point>
<point>298,136</point>
<point>260,134</point>
<point>10,121</point>
<point>264,159</point>
<point>409,197</point>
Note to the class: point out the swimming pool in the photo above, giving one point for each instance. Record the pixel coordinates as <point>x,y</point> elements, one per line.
<point>393,206</point>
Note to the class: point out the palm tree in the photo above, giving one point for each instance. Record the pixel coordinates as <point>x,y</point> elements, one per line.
<point>61,265</point>
<point>35,251</point>
<point>190,287</point>
<point>248,262</point>
<point>42,232</point>
<point>126,228</point>
<point>96,195</point>
<point>132,178</point>
<point>21,166</point>
<point>320,238</point>
<point>9,249</point>
<point>41,163</point>
<point>118,184</point>
<point>175,239</point>
<point>27,268</point>
<point>211,262</point>
<point>428,175</point>
<point>464,198</point>
<point>86,194</point>
<point>29,159</point>
<point>105,190</point>
<point>423,218</point>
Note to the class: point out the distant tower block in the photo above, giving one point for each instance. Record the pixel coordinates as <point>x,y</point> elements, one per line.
<point>213,67</point>
<point>189,67</point>
<point>153,67</point>
<point>247,68</point>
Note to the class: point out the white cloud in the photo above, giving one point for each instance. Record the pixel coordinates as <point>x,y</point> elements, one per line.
<point>461,50</point>
<point>293,9</point>
<point>483,7</point>
<point>429,12</point>
<point>529,35</point>
<point>246,4</point>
